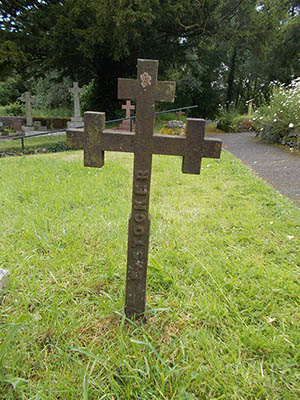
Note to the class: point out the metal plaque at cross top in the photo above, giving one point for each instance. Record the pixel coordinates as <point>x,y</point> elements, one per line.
<point>145,90</point>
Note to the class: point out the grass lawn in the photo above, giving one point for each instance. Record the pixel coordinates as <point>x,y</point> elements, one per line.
<point>35,144</point>
<point>223,283</point>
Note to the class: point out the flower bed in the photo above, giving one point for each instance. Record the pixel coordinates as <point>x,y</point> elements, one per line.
<point>279,121</point>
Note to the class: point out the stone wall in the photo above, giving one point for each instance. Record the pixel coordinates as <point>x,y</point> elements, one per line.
<point>8,121</point>
<point>50,123</point>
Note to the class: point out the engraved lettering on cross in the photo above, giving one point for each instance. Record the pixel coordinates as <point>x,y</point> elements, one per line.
<point>145,90</point>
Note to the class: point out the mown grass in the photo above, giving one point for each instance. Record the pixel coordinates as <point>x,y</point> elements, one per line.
<point>223,283</point>
<point>34,144</point>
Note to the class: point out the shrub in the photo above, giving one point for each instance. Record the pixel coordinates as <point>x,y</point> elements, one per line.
<point>228,121</point>
<point>11,89</point>
<point>52,91</point>
<point>279,121</point>
<point>13,109</point>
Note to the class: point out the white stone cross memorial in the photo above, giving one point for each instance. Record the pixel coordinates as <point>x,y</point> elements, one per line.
<point>27,99</point>
<point>76,121</point>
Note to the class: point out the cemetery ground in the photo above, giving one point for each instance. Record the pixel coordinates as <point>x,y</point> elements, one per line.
<point>54,143</point>
<point>223,283</point>
<point>50,143</point>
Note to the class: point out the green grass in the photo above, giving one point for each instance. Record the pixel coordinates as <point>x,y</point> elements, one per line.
<point>35,144</point>
<point>223,283</point>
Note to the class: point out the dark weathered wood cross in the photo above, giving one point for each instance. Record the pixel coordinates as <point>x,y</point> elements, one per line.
<point>146,89</point>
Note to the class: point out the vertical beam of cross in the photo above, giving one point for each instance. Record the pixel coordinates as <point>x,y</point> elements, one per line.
<point>75,90</point>
<point>145,90</point>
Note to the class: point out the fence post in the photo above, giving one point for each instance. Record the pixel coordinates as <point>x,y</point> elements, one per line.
<point>23,147</point>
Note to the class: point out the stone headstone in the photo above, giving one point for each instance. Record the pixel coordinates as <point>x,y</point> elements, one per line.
<point>38,126</point>
<point>76,121</point>
<point>17,125</point>
<point>59,123</point>
<point>146,89</point>
<point>3,132</point>
<point>27,99</point>
<point>4,277</point>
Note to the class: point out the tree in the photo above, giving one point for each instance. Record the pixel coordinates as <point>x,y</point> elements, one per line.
<point>101,40</point>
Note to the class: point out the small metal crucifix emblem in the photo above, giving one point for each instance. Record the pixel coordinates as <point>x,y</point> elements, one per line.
<point>145,90</point>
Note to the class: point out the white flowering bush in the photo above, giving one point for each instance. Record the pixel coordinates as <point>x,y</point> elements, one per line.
<point>279,121</point>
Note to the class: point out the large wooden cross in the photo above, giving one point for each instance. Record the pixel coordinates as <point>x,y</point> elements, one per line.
<point>146,89</point>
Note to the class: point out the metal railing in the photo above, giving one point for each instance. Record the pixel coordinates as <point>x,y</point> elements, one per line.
<point>22,138</point>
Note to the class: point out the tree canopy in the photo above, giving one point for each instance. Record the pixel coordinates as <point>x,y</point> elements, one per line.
<point>218,50</point>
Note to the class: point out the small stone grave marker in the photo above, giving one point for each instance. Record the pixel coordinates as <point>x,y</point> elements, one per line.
<point>38,126</point>
<point>17,125</point>
<point>146,89</point>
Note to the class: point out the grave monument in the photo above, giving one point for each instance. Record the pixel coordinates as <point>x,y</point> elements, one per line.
<point>146,89</point>
<point>2,131</point>
<point>76,121</point>
<point>27,99</point>
<point>125,125</point>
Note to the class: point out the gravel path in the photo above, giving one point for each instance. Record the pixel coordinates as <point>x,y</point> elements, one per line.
<point>276,164</point>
